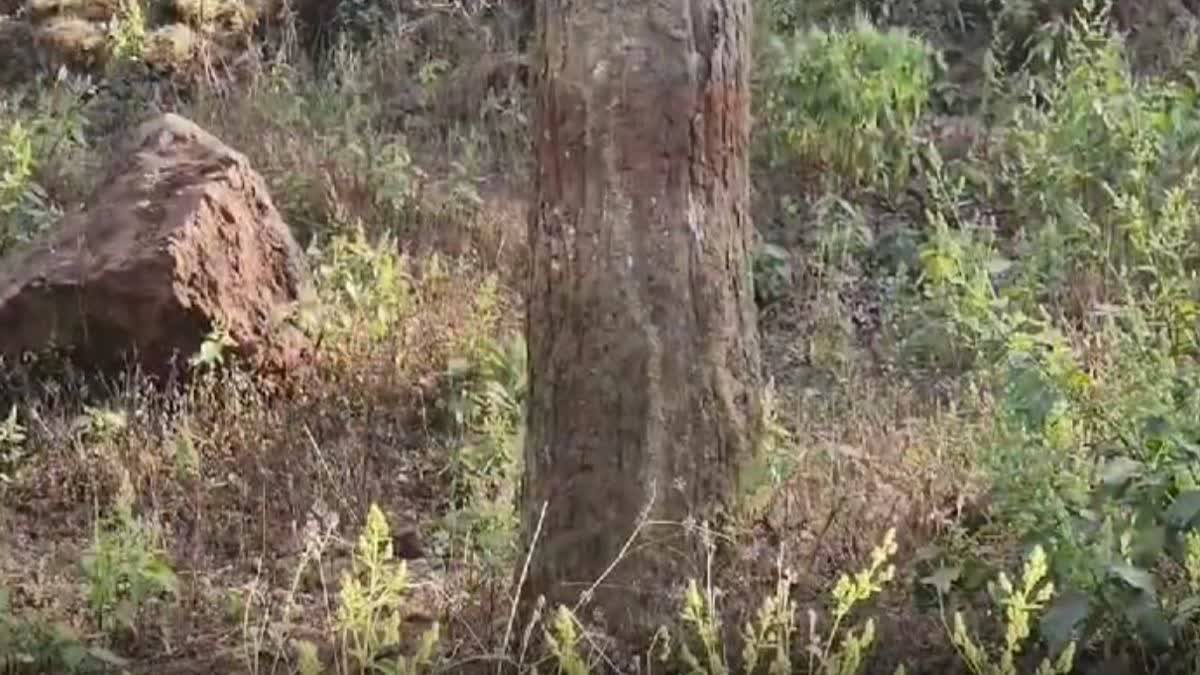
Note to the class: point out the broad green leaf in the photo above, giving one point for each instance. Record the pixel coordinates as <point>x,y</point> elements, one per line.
<point>1149,542</point>
<point>1184,509</point>
<point>1061,623</point>
<point>1135,577</point>
<point>1151,622</point>
<point>943,579</point>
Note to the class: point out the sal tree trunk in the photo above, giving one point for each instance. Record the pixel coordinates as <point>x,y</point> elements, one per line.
<point>641,321</point>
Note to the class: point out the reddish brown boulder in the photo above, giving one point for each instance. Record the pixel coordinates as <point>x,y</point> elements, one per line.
<point>180,234</point>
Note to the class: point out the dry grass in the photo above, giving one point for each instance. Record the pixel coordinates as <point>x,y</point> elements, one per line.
<point>174,46</point>
<point>359,428</point>
<point>73,41</point>
<point>230,15</point>
<point>90,10</point>
<point>446,180</point>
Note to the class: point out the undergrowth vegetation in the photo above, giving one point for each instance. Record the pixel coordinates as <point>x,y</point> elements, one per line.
<point>978,296</point>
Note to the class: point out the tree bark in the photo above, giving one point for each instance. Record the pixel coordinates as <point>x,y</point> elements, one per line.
<point>644,356</point>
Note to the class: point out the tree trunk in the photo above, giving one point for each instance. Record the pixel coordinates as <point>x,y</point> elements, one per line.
<point>644,358</point>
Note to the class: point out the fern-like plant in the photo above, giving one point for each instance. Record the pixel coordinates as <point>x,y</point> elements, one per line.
<point>370,610</point>
<point>1019,604</point>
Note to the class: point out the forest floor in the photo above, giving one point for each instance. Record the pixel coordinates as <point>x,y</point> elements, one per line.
<point>215,527</point>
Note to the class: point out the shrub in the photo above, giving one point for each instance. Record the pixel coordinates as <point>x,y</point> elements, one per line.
<point>36,647</point>
<point>846,101</point>
<point>1077,322</point>
<point>125,569</point>
<point>371,603</point>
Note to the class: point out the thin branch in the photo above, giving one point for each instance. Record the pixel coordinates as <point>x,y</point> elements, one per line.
<point>512,615</point>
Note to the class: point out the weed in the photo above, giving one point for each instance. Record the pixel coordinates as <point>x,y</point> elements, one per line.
<point>371,603</point>
<point>35,647</point>
<point>846,101</point>
<point>127,33</point>
<point>125,569</point>
<point>562,639</point>
<point>768,640</point>
<point>487,402</point>
<point>12,440</point>
<point>1020,604</point>
<point>213,349</point>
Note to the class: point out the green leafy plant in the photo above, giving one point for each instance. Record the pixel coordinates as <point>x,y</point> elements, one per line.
<point>213,349</point>
<point>769,637</point>
<point>16,181</point>
<point>705,654</point>
<point>562,641</point>
<point>1019,605</point>
<point>29,647</point>
<point>40,126</point>
<point>845,101</point>
<point>365,288</point>
<point>848,657</point>
<point>775,460</point>
<point>125,569</point>
<point>371,604</point>
<point>127,32</point>
<point>487,402</point>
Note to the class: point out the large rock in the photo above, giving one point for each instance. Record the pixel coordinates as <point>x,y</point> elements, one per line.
<point>180,234</point>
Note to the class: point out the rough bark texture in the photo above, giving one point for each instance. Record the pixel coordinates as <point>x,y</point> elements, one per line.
<point>641,321</point>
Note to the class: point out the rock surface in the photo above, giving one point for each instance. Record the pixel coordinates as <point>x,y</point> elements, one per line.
<point>181,234</point>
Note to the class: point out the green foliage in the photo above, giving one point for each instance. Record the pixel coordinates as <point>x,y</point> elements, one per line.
<point>1019,604</point>
<point>705,653</point>
<point>786,16</point>
<point>845,102</point>
<point>487,401</point>
<point>31,647</point>
<point>127,31</point>
<point>1075,320</point>
<point>562,640</point>
<point>125,570</point>
<point>39,126</point>
<point>332,161</point>
<point>213,349</point>
<point>356,21</point>
<point>365,289</point>
<point>768,638</point>
<point>17,189</point>
<point>371,604</point>
<point>774,462</point>
<point>372,594</point>
<point>850,656</point>
<point>18,166</point>
<point>308,659</point>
